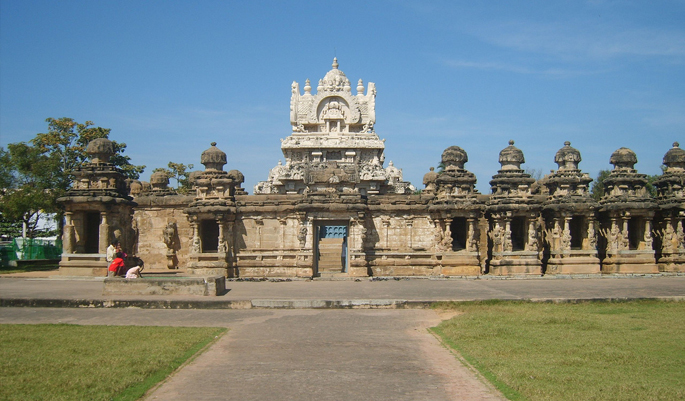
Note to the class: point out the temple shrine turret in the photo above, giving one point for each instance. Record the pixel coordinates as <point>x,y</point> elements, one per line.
<point>333,144</point>
<point>670,197</point>
<point>570,217</point>
<point>514,214</point>
<point>626,213</point>
<point>98,211</point>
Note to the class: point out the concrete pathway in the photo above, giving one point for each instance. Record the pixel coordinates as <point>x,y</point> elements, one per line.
<point>302,354</point>
<point>13,290</point>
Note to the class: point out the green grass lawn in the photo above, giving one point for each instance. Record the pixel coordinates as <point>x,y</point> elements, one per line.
<point>585,351</point>
<point>69,362</point>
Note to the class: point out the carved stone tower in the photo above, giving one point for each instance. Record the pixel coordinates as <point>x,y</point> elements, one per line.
<point>570,216</point>
<point>98,210</point>
<point>670,196</point>
<point>333,144</point>
<point>626,213</point>
<point>514,214</point>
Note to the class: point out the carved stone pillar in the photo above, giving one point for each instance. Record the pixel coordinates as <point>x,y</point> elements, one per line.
<point>648,239</point>
<point>283,224</point>
<point>591,235</point>
<point>507,246</point>
<point>410,234</point>
<point>471,236</point>
<point>532,240</point>
<point>223,245</point>
<point>68,238</point>
<point>566,234</point>
<point>104,233</point>
<point>197,242</point>
<point>447,237</point>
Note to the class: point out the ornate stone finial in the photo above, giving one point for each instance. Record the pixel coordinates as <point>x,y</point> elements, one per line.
<point>159,180</point>
<point>567,158</point>
<point>511,157</point>
<point>360,87</point>
<point>213,158</point>
<point>454,158</point>
<point>674,159</point>
<point>100,150</point>
<point>429,179</point>
<point>623,158</point>
<point>335,63</point>
<point>307,87</point>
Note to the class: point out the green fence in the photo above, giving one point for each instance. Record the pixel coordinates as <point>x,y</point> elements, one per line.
<point>30,249</point>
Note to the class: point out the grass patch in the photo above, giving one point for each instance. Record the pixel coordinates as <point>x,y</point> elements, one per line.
<point>70,362</point>
<point>573,351</point>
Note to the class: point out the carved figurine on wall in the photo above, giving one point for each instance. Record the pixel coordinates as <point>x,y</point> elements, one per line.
<point>170,237</point>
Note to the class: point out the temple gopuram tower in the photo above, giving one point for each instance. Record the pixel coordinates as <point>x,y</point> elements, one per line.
<point>670,197</point>
<point>98,210</point>
<point>626,213</point>
<point>570,217</point>
<point>333,144</point>
<point>514,214</point>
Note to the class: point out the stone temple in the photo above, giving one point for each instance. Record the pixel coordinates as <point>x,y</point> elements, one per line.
<point>334,209</point>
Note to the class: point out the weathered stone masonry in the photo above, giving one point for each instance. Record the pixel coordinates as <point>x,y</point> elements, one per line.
<point>333,209</point>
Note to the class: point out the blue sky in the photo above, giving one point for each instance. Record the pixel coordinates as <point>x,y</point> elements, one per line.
<point>169,77</point>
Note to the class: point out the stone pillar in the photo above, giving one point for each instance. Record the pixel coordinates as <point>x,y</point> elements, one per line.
<point>104,233</point>
<point>223,246</point>
<point>648,234</point>
<point>471,237</point>
<point>566,234</point>
<point>532,240</point>
<point>197,242</point>
<point>386,225</point>
<point>447,237</point>
<point>283,224</point>
<point>506,240</point>
<point>68,238</point>
<point>591,236</point>
<point>410,228</point>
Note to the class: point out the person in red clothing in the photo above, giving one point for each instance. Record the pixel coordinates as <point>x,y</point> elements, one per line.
<point>116,266</point>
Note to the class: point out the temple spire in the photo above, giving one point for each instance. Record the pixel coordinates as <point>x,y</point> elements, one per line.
<point>335,63</point>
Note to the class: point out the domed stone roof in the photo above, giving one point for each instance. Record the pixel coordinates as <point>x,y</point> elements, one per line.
<point>335,80</point>
<point>675,157</point>
<point>100,150</point>
<point>623,158</point>
<point>159,179</point>
<point>213,158</point>
<point>511,157</point>
<point>454,157</point>
<point>237,176</point>
<point>567,158</point>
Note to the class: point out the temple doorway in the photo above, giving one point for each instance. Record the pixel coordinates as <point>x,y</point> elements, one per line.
<point>331,247</point>
<point>92,233</point>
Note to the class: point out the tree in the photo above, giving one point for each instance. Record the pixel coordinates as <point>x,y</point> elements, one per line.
<point>597,190</point>
<point>179,172</point>
<point>28,176</point>
<point>35,174</point>
<point>67,140</point>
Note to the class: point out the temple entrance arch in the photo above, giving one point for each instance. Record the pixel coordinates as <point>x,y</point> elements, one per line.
<point>331,247</point>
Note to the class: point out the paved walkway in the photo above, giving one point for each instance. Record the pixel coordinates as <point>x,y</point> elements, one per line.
<point>318,354</point>
<point>412,292</point>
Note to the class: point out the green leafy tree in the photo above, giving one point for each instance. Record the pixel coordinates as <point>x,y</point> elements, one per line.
<point>27,185</point>
<point>179,172</point>
<point>35,174</point>
<point>597,190</point>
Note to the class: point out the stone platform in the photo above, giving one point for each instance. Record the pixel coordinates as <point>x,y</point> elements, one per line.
<point>205,286</point>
